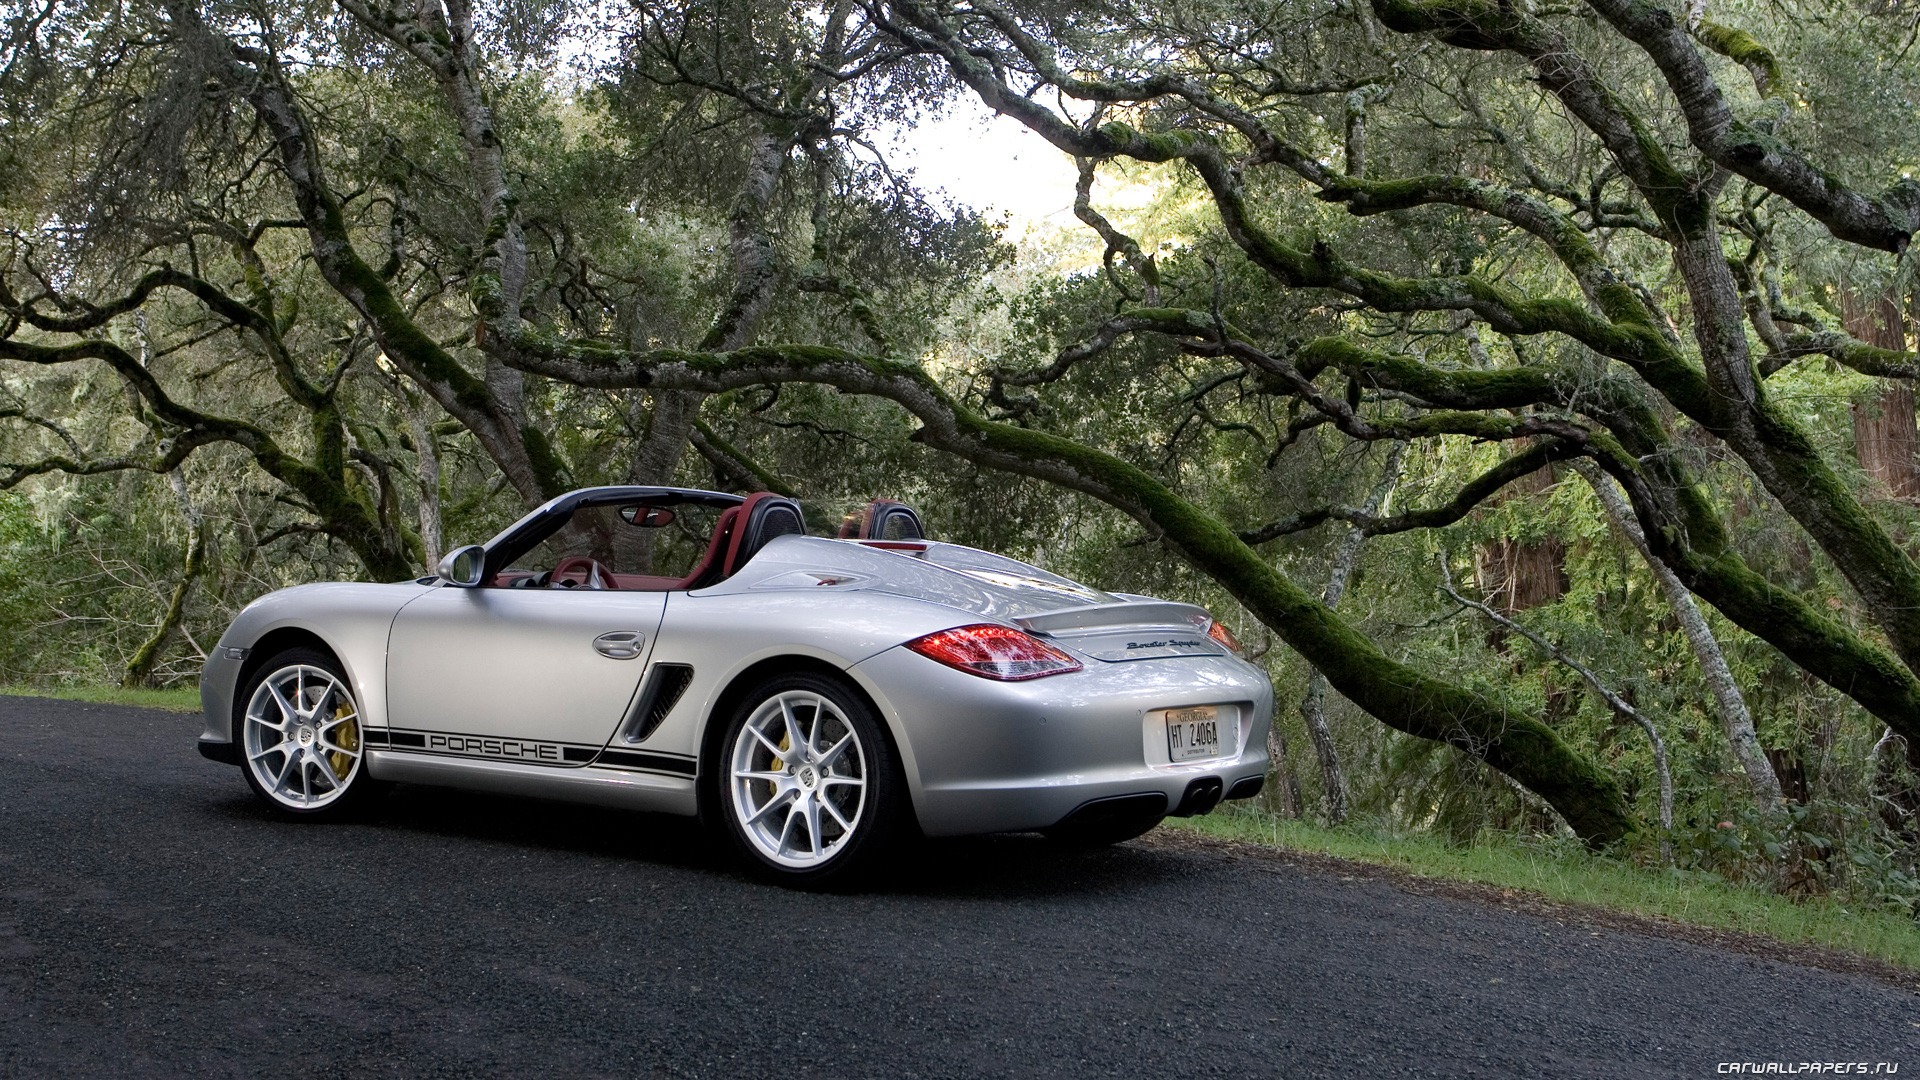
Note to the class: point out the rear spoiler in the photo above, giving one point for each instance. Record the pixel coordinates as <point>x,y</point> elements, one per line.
<point>1125,613</point>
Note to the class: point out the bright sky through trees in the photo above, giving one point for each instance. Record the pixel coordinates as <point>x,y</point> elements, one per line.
<point>990,162</point>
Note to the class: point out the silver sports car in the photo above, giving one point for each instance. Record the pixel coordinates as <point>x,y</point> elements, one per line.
<point>698,653</point>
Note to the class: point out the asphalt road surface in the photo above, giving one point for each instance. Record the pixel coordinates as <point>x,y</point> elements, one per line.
<point>154,920</point>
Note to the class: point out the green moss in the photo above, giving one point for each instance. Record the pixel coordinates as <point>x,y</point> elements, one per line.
<point>484,293</point>
<point>329,440</point>
<point>1622,303</point>
<point>1148,146</point>
<point>589,354</point>
<point>1504,388</point>
<point>1743,49</point>
<point>549,471</point>
<point>1874,360</point>
<point>767,480</point>
<point>1184,322</point>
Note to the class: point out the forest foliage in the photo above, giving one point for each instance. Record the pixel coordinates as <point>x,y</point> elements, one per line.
<point>1528,385</point>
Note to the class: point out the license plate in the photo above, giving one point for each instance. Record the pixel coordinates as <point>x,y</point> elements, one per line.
<point>1193,733</point>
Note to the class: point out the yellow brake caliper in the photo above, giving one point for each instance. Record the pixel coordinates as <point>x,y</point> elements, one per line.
<point>347,735</point>
<point>786,743</point>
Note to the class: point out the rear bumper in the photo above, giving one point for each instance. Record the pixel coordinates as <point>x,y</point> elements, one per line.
<point>984,756</point>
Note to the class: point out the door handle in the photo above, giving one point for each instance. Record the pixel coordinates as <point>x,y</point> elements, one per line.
<point>620,644</point>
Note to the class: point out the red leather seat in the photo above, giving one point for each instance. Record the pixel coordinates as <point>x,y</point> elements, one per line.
<point>737,536</point>
<point>723,531</point>
<point>731,561</point>
<point>703,572</point>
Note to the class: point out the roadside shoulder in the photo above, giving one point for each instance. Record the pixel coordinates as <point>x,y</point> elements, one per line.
<point>1533,903</point>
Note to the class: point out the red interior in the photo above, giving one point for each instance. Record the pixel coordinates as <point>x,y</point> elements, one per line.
<point>723,544</point>
<point>742,513</point>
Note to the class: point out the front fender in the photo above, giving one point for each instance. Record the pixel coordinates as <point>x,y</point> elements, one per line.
<point>351,619</point>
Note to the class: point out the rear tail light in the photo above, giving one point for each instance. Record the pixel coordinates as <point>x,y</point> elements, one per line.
<point>1219,632</point>
<point>992,651</point>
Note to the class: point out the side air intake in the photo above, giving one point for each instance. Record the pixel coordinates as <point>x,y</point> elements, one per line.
<point>656,700</point>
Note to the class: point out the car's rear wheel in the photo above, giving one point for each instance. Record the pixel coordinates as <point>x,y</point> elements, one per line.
<point>809,784</point>
<point>300,739</point>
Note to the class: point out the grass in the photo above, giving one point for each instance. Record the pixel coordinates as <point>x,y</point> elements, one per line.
<point>1572,876</point>
<point>185,699</point>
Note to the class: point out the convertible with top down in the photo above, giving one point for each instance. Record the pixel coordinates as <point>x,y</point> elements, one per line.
<point>691,652</point>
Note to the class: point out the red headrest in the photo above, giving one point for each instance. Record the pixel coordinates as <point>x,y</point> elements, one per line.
<point>722,534</point>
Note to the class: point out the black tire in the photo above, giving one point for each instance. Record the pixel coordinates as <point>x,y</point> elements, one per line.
<point>835,857</point>
<point>1101,832</point>
<point>317,771</point>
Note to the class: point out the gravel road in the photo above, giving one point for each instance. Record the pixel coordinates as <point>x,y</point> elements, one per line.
<point>154,920</point>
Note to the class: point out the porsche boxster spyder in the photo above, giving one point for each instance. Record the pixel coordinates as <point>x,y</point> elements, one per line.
<point>815,699</point>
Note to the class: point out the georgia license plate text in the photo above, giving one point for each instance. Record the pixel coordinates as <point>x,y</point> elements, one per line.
<point>1193,733</point>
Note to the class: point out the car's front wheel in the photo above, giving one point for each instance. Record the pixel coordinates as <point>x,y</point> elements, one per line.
<point>809,784</point>
<point>300,736</point>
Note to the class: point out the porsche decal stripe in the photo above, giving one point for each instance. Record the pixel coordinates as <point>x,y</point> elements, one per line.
<point>682,766</point>
<point>527,751</point>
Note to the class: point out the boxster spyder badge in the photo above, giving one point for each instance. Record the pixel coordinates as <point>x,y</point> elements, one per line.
<point>691,652</point>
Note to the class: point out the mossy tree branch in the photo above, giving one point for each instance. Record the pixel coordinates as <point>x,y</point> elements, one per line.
<point>728,459</point>
<point>1885,222</point>
<point>490,405</point>
<point>343,512</point>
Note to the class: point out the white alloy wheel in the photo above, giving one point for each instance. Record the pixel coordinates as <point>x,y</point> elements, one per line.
<point>301,736</point>
<point>797,780</point>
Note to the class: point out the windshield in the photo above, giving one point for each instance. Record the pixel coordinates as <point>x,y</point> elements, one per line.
<point>608,535</point>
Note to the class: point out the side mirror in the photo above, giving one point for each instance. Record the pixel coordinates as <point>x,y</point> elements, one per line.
<point>464,566</point>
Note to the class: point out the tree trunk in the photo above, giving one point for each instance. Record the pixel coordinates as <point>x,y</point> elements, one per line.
<point>1735,719</point>
<point>140,668</point>
<point>1896,780</point>
<point>1885,436</point>
<point>427,458</point>
<point>1284,796</point>
<point>1334,795</point>
<point>1887,443</point>
<point>1517,575</point>
<point>489,406</point>
<point>1333,781</point>
<point>756,270</point>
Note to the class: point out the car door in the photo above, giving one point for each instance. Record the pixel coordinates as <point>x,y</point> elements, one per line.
<point>541,676</point>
